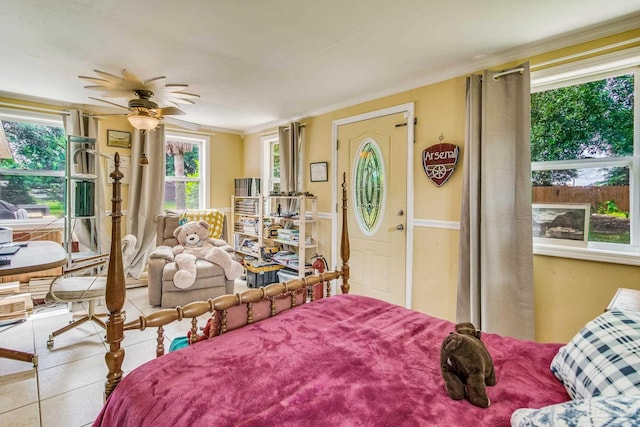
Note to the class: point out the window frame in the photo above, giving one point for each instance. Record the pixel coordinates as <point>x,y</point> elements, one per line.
<point>268,178</point>
<point>44,119</point>
<point>579,72</point>
<point>203,141</point>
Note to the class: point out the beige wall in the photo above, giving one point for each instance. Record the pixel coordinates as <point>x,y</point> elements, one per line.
<point>568,292</point>
<point>226,163</point>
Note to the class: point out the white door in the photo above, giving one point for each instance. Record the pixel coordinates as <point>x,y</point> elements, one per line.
<point>373,153</point>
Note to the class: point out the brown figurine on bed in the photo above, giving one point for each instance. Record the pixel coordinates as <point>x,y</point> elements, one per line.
<point>466,365</point>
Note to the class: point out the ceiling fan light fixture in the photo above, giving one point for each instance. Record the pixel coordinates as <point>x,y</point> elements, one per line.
<point>143,121</point>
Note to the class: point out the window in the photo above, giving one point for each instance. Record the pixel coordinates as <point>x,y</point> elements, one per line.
<point>186,172</point>
<point>271,166</point>
<point>32,183</point>
<point>585,152</point>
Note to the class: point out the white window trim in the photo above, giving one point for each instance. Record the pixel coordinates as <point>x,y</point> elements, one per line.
<point>266,167</point>
<point>622,62</point>
<point>204,179</point>
<point>45,119</point>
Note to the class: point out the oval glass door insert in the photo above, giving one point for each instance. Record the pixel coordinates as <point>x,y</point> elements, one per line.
<point>369,186</point>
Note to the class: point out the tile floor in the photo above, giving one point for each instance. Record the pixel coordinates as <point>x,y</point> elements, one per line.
<point>66,388</point>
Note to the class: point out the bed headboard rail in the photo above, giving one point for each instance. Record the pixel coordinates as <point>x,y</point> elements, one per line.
<point>252,305</point>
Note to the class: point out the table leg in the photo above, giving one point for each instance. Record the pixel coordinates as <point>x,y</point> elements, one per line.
<point>19,355</point>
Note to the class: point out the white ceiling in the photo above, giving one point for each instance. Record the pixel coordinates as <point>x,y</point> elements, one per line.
<point>256,63</point>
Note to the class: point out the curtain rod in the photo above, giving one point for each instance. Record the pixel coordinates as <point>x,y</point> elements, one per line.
<point>504,73</point>
<point>286,128</point>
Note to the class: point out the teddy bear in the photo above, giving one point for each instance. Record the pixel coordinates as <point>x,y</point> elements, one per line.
<point>193,244</point>
<point>466,365</point>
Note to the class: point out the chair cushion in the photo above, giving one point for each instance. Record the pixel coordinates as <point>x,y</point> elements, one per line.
<point>76,288</point>
<point>207,276</point>
<point>214,217</point>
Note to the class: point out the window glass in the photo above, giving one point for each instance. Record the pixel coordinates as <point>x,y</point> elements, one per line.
<point>588,120</point>
<point>270,164</point>
<point>32,181</point>
<point>181,195</point>
<point>582,152</point>
<point>608,204</point>
<point>275,167</point>
<point>183,188</point>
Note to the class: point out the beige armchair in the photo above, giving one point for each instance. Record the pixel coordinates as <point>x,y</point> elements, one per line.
<point>210,278</point>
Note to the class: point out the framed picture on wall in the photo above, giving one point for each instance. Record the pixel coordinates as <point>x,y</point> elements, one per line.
<point>319,172</point>
<point>118,138</point>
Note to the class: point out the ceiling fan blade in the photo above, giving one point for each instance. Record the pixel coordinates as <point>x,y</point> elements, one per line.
<point>109,102</point>
<point>169,99</point>
<point>115,93</point>
<point>169,111</point>
<point>184,95</point>
<point>130,77</point>
<point>175,100</point>
<point>175,87</point>
<point>156,84</point>
<point>182,123</point>
<point>103,84</point>
<point>108,76</point>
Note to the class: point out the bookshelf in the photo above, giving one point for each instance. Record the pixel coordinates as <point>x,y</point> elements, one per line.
<point>81,216</point>
<point>280,229</point>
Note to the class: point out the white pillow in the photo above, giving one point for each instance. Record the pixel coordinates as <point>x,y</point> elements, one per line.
<point>617,411</point>
<point>603,358</point>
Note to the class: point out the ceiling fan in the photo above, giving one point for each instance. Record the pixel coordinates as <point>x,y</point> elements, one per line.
<point>143,110</point>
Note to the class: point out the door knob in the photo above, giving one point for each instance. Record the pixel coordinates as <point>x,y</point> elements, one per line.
<point>399,227</point>
<point>400,212</point>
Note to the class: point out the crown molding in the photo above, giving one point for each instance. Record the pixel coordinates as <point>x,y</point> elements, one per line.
<point>583,35</point>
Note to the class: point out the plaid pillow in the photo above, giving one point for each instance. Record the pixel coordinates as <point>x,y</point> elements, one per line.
<point>214,217</point>
<point>603,358</point>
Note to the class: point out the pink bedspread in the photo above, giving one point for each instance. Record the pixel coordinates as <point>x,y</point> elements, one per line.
<point>340,361</point>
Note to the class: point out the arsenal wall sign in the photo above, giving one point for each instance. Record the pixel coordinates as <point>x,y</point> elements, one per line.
<point>439,161</point>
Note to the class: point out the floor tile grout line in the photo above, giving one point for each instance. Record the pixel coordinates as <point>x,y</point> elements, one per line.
<point>37,368</point>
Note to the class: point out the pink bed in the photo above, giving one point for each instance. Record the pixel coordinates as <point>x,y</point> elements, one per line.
<point>339,361</point>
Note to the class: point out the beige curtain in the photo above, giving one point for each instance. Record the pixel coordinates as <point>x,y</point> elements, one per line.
<point>86,230</point>
<point>291,139</point>
<point>495,283</point>
<point>146,194</point>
